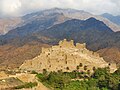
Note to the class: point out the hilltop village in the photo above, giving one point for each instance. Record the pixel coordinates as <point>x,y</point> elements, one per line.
<point>66,56</point>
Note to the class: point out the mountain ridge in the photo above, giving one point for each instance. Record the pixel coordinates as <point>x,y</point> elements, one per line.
<point>13,23</point>
<point>95,33</point>
<point>76,14</point>
<point>112,18</point>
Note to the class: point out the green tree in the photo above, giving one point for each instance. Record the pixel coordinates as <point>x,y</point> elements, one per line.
<point>67,68</point>
<point>58,80</point>
<point>45,72</point>
<point>88,72</point>
<point>77,68</point>
<point>100,71</point>
<point>114,82</point>
<point>94,68</point>
<point>85,68</point>
<point>80,64</point>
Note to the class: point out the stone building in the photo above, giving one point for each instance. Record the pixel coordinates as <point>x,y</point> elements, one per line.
<point>66,57</point>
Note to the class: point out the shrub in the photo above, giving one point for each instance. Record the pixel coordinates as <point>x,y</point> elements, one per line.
<point>27,85</point>
<point>85,68</point>
<point>80,64</point>
<point>34,72</point>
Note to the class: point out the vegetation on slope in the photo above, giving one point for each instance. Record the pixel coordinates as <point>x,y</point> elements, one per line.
<point>101,79</point>
<point>27,85</point>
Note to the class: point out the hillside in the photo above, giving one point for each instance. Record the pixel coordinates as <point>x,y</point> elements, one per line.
<point>63,56</point>
<point>13,56</point>
<point>7,24</point>
<point>38,24</point>
<point>110,54</point>
<point>72,14</point>
<point>91,31</point>
<point>71,29</point>
<point>47,18</point>
<point>48,27</point>
<point>112,18</point>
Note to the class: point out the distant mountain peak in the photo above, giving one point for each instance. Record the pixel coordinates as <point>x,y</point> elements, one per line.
<point>71,13</point>
<point>92,19</point>
<point>112,18</point>
<point>56,8</point>
<point>67,10</point>
<point>107,14</point>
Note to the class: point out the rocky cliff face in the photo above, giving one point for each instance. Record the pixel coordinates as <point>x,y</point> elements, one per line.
<point>66,57</point>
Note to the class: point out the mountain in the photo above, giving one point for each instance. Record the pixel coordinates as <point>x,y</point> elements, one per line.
<point>25,31</point>
<point>93,32</point>
<point>70,29</point>
<point>7,24</point>
<point>114,19</point>
<point>48,27</point>
<point>38,24</point>
<point>70,13</point>
<point>20,47</point>
<point>12,56</point>
<point>111,54</point>
<point>90,31</point>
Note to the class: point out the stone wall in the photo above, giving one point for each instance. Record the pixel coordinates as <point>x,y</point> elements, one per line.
<point>113,67</point>
<point>67,44</point>
<point>79,46</point>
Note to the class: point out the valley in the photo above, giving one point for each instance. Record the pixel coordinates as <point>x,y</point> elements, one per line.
<point>60,49</point>
<point>73,62</point>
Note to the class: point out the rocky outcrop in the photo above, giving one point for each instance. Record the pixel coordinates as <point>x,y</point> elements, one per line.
<point>11,81</point>
<point>25,77</point>
<point>66,57</point>
<point>3,75</point>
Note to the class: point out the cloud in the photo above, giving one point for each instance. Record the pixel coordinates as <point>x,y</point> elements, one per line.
<point>10,7</point>
<point>20,7</point>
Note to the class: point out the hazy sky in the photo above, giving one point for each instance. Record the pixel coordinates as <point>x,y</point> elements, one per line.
<point>20,7</point>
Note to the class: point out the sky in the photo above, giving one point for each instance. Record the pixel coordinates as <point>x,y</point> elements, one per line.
<point>22,7</point>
